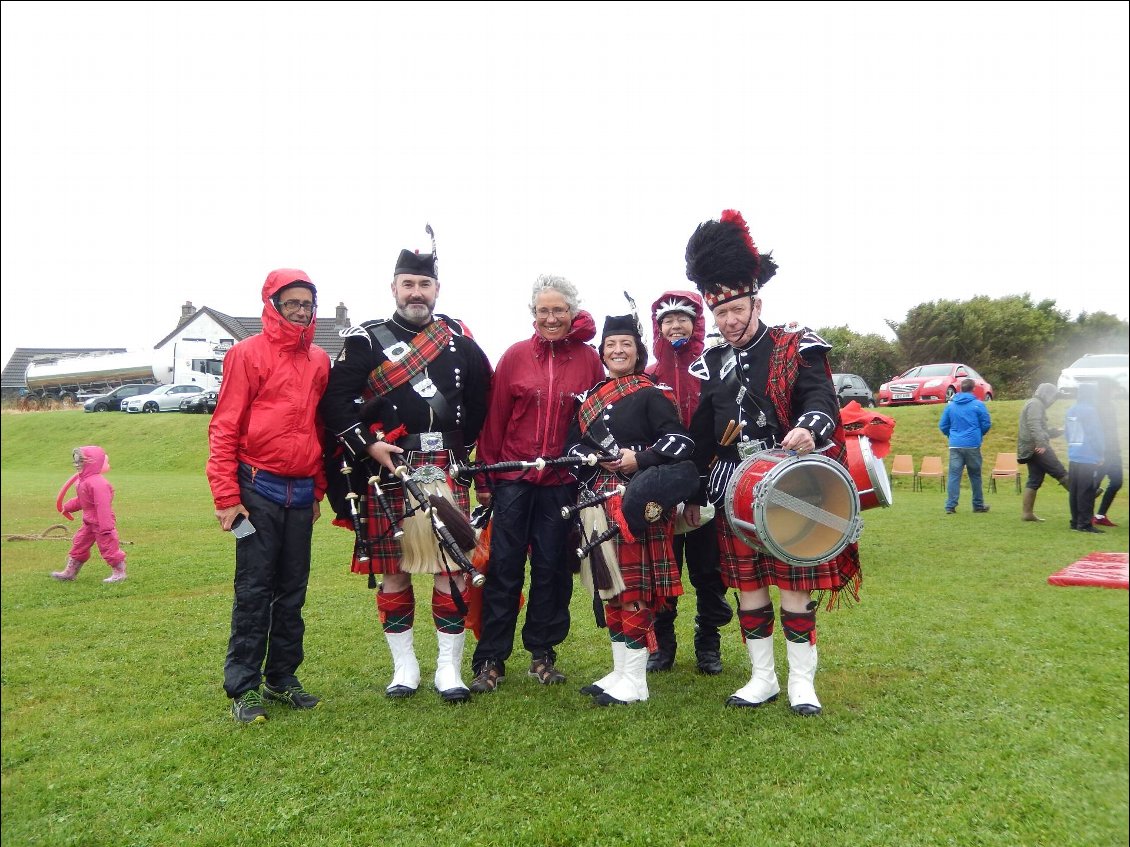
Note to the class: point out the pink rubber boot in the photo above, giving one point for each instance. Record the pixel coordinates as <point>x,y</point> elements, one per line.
<point>118,572</point>
<point>69,572</point>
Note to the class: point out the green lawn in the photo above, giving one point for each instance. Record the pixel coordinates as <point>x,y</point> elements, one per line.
<point>967,702</point>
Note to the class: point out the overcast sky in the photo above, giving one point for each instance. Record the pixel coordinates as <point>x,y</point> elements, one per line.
<point>889,154</point>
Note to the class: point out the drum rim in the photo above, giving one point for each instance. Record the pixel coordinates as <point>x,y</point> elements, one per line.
<point>876,471</point>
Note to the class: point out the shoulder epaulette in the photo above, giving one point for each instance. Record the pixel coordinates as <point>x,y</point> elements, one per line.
<point>452,324</point>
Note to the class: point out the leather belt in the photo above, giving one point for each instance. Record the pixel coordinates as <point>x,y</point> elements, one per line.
<point>432,442</point>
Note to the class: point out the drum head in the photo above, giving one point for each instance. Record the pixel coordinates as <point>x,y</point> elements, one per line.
<point>801,510</point>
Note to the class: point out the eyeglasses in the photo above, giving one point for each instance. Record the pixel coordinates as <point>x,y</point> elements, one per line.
<point>544,313</point>
<point>296,305</point>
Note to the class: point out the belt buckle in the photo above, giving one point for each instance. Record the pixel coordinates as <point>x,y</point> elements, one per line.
<point>431,442</point>
<point>397,351</point>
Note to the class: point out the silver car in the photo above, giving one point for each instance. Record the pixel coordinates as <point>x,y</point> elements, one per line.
<point>166,398</point>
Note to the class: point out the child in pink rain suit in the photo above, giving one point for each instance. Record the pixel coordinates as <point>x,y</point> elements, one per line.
<point>93,498</point>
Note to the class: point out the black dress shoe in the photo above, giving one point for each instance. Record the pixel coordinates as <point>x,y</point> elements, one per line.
<point>805,710</point>
<point>1089,529</point>
<point>660,660</point>
<point>709,662</point>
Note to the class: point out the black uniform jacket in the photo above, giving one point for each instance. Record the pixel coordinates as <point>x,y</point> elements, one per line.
<point>461,374</point>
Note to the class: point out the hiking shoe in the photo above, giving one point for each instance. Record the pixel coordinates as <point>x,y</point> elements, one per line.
<point>1098,520</point>
<point>544,671</point>
<point>488,678</point>
<point>951,511</point>
<point>293,695</point>
<point>980,508</point>
<point>248,707</point>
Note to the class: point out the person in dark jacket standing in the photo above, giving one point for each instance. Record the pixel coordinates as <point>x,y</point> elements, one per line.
<point>265,470</point>
<point>1034,449</point>
<point>679,330</point>
<point>965,422</point>
<point>430,381</point>
<point>536,386</point>
<point>1085,448</point>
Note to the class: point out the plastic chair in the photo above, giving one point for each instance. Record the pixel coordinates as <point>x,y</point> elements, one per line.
<point>903,465</point>
<point>1006,467</point>
<point>931,468</point>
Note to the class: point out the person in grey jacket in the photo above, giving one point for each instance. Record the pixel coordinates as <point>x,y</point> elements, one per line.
<point>1033,447</point>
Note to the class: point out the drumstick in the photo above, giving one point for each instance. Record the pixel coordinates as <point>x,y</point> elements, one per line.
<point>733,430</point>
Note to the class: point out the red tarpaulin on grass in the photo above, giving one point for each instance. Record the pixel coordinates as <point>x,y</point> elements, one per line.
<point>1105,570</point>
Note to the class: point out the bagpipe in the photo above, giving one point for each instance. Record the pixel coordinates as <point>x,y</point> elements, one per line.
<point>624,513</point>
<point>359,481</point>
<point>467,470</point>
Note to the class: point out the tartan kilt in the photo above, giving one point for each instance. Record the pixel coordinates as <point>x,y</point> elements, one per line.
<point>385,549</point>
<point>647,565</point>
<point>746,569</point>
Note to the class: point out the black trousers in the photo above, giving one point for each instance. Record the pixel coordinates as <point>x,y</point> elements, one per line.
<point>1082,482</point>
<point>1112,469</point>
<point>272,569</point>
<point>526,518</point>
<point>699,550</point>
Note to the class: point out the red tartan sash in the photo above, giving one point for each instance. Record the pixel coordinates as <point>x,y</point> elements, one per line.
<point>784,364</point>
<point>422,351</point>
<point>609,392</point>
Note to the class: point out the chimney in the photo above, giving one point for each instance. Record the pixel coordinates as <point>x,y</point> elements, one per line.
<point>341,319</point>
<point>186,311</point>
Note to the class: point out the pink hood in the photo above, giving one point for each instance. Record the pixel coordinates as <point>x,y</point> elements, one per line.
<point>671,365</point>
<point>94,461</point>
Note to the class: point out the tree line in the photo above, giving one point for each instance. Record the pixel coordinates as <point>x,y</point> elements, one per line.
<point>1012,342</point>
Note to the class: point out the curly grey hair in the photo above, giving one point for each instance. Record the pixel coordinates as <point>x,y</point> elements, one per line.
<point>549,282</point>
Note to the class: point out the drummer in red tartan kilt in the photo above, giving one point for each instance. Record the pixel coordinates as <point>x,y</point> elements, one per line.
<point>429,382</point>
<point>775,382</point>
<point>628,416</point>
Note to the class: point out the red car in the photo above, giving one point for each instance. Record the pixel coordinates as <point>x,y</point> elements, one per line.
<point>932,384</point>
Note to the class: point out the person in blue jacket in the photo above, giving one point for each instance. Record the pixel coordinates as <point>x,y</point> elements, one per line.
<point>965,422</point>
<point>1083,428</point>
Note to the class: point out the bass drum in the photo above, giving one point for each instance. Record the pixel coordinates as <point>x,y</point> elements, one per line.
<point>803,510</point>
<point>868,473</point>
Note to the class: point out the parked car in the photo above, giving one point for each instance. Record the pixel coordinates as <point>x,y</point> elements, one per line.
<point>200,404</point>
<point>932,384</point>
<point>113,400</point>
<point>164,398</point>
<point>1112,366</point>
<point>853,387</point>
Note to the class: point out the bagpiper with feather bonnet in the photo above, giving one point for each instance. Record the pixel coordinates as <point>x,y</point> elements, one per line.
<point>766,386</point>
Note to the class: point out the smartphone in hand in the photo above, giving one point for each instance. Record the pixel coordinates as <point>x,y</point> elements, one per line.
<point>241,527</point>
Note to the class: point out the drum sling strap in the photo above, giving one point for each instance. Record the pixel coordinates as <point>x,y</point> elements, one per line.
<point>407,361</point>
<point>590,417</point>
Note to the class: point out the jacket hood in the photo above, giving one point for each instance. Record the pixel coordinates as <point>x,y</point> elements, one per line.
<point>693,348</point>
<point>964,398</point>
<point>1088,392</point>
<point>582,330</point>
<point>1046,393</point>
<point>94,461</point>
<point>277,328</point>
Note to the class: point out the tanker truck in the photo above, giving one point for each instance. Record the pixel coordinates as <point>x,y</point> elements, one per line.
<point>68,379</point>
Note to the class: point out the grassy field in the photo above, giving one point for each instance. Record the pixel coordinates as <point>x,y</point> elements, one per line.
<point>967,702</point>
